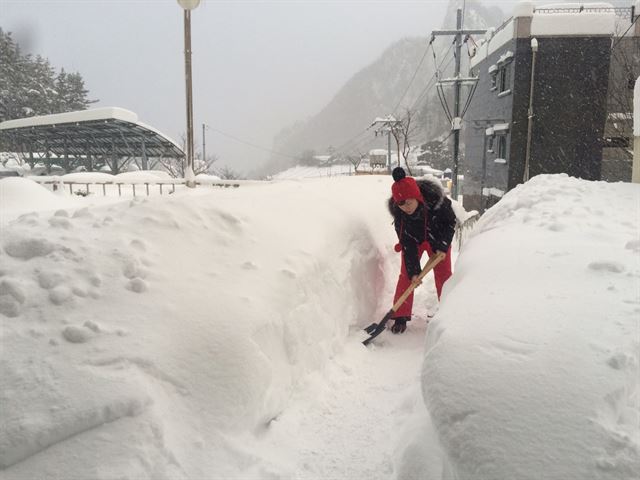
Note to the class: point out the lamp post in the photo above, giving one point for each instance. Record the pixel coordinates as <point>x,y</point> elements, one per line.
<point>527,158</point>
<point>187,6</point>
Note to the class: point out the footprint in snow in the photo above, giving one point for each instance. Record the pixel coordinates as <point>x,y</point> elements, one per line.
<point>9,306</point>
<point>30,219</point>
<point>288,273</point>
<point>12,297</point>
<point>82,213</point>
<point>60,222</point>
<point>556,227</point>
<point>60,295</point>
<point>249,266</point>
<point>607,266</point>
<point>77,334</point>
<point>137,285</point>
<point>138,244</point>
<point>79,291</point>
<point>621,361</point>
<point>633,245</point>
<point>50,279</point>
<point>132,268</point>
<point>95,280</point>
<point>28,248</point>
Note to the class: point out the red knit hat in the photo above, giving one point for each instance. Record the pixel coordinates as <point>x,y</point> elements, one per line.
<point>404,187</point>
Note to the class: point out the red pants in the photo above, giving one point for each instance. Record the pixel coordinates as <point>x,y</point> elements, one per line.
<point>441,274</point>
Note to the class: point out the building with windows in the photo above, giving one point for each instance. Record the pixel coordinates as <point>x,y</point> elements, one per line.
<point>543,97</point>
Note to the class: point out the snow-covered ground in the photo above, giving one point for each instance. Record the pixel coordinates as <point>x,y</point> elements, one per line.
<point>216,333</point>
<point>531,368</point>
<point>300,171</point>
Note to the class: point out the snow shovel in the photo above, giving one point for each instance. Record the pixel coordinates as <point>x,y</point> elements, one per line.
<point>376,329</point>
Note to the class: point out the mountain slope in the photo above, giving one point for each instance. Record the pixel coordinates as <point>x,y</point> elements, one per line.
<point>378,90</point>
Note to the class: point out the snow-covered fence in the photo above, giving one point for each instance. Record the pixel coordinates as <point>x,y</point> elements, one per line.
<point>107,188</point>
<point>463,229</point>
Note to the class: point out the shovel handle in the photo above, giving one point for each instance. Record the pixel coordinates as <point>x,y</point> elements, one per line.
<point>433,261</point>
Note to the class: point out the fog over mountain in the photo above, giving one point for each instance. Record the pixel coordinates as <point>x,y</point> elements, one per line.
<point>379,90</point>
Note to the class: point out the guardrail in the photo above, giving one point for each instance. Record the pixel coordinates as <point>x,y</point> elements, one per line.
<point>619,11</point>
<point>83,188</point>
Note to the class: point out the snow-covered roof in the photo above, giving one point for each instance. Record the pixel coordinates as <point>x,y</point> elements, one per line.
<point>72,117</point>
<point>574,19</point>
<point>554,20</point>
<point>98,131</point>
<point>378,151</point>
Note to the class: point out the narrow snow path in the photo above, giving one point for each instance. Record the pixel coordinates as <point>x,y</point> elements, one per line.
<point>347,419</point>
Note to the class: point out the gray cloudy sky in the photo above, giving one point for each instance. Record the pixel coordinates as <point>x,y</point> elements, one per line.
<point>258,65</point>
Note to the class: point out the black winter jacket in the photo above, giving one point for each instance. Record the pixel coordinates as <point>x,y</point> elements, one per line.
<point>434,222</point>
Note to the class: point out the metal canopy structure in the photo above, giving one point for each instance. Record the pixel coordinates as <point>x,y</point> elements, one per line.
<point>113,135</point>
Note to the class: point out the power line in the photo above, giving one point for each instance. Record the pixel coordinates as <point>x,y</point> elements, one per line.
<point>625,32</point>
<point>430,83</point>
<point>249,143</point>
<point>342,146</point>
<point>414,75</point>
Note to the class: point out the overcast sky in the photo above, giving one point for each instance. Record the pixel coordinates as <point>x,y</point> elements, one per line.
<point>258,66</point>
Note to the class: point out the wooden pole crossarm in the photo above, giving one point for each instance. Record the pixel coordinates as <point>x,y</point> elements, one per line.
<point>461,80</point>
<point>457,32</point>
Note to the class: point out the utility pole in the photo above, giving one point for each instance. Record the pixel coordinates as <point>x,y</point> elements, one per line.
<point>387,124</point>
<point>187,6</point>
<point>457,81</point>
<point>389,150</point>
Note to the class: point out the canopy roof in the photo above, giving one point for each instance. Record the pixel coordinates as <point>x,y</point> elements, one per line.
<point>98,132</point>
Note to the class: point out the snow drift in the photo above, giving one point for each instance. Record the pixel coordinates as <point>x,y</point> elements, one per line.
<point>531,367</point>
<point>175,323</point>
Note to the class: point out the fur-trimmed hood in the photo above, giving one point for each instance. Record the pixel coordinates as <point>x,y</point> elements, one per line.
<point>431,190</point>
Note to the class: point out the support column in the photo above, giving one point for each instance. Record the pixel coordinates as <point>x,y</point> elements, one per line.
<point>145,162</point>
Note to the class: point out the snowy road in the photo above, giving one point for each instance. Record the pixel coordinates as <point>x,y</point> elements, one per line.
<point>348,420</point>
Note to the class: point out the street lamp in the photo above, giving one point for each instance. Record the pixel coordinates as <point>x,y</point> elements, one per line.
<point>187,6</point>
<point>527,158</point>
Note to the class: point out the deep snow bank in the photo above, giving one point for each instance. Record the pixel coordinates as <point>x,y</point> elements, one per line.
<point>138,339</point>
<point>19,195</point>
<point>531,366</point>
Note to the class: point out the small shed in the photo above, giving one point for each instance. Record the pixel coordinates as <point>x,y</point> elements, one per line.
<point>378,157</point>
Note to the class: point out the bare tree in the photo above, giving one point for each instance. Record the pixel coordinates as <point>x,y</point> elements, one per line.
<point>226,173</point>
<point>176,167</point>
<point>405,131</point>
<point>355,160</point>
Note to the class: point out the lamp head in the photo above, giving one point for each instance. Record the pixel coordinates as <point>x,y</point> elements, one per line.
<point>534,44</point>
<point>189,4</point>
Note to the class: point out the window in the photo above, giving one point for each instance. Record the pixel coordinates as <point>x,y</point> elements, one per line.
<point>502,146</point>
<point>493,73</point>
<point>505,78</point>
